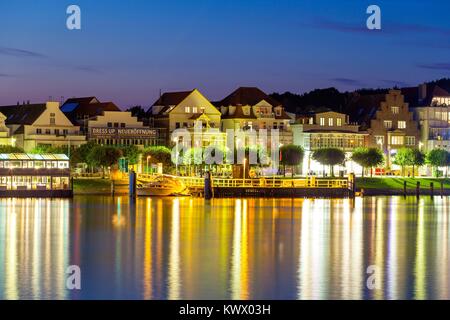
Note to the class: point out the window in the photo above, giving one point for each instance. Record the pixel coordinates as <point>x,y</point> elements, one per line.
<point>410,140</point>
<point>388,124</point>
<point>395,110</point>
<point>311,120</point>
<point>397,140</point>
<point>122,125</point>
<point>177,125</point>
<point>116,124</point>
<point>187,109</point>
<point>379,140</point>
<point>275,125</point>
<point>402,124</point>
<point>322,121</point>
<point>339,122</point>
<point>194,109</point>
<point>52,118</point>
<point>185,125</point>
<point>330,122</point>
<point>38,131</point>
<point>109,125</point>
<point>47,131</point>
<point>57,132</point>
<point>65,132</point>
<point>278,112</point>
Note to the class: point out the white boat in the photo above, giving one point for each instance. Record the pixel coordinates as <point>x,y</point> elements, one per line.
<point>162,185</point>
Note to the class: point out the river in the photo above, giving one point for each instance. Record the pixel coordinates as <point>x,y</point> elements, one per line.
<point>189,248</point>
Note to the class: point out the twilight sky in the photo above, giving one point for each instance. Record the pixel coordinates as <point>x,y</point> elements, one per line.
<point>128,50</point>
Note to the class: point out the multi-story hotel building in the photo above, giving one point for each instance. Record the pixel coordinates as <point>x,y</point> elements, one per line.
<point>433,115</point>
<point>327,130</point>
<point>249,108</point>
<point>5,137</point>
<point>188,110</point>
<point>33,125</point>
<point>393,126</point>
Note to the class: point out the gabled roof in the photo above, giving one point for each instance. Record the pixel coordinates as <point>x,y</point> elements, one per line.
<point>82,100</point>
<point>72,109</point>
<point>172,98</point>
<point>411,95</point>
<point>25,114</point>
<point>239,114</point>
<point>247,96</point>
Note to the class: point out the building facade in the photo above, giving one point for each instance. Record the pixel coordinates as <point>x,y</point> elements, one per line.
<point>327,130</point>
<point>250,109</point>
<point>393,126</point>
<point>5,137</point>
<point>433,116</point>
<point>121,128</point>
<point>187,110</point>
<point>34,125</point>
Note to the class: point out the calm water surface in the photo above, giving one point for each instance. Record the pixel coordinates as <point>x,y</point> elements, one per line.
<point>186,248</point>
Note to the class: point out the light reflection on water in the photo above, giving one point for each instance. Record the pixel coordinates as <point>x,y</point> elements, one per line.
<point>186,248</point>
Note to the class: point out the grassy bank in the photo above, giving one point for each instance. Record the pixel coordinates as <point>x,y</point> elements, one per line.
<point>396,183</point>
<point>86,186</point>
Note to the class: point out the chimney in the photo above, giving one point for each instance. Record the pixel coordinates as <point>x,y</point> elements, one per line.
<point>422,92</point>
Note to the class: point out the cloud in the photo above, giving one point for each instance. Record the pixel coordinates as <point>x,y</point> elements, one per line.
<point>347,81</point>
<point>5,75</point>
<point>435,66</point>
<point>21,53</point>
<point>338,26</point>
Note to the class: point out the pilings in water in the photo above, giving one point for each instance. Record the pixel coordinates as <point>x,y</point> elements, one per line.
<point>132,184</point>
<point>418,189</point>
<point>431,190</point>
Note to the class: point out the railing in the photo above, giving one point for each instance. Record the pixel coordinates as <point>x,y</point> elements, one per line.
<point>268,182</point>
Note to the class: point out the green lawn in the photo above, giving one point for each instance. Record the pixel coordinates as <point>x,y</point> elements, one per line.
<point>397,183</point>
<point>91,185</point>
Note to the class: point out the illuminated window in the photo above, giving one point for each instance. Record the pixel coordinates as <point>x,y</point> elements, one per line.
<point>311,120</point>
<point>395,110</point>
<point>339,122</point>
<point>52,118</point>
<point>379,140</point>
<point>194,109</point>
<point>411,141</point>
<point>402,124</point>
<point>330,122</point>
<point>322,121</point>
<point>388,124</point>
<point>187,109</point>
<point>397,140</point>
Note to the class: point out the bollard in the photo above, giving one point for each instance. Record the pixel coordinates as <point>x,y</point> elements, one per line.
<point>442,189</point>
<point>432,190</point>
<point>208,186</point>
<point>404,188</point>
<point>132,184</point>
<point>418,189</point>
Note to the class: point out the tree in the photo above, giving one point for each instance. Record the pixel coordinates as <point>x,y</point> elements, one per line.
<point>137,111</point>
<point>158,154</point>
<point>131,153</point>
<point>359,156</point>
<point>409,157</point>
<point>291,155</point>
<point>329,157</point>
<point>368,158</point>
<point>103,156</point>
<point>10,149</point>
<point>437,158</point>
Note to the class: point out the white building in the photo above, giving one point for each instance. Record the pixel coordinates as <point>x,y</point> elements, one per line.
<point>33,125</point>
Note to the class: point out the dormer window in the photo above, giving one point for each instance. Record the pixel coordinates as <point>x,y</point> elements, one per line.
<point>278,112</point>
<point>52,118</point>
